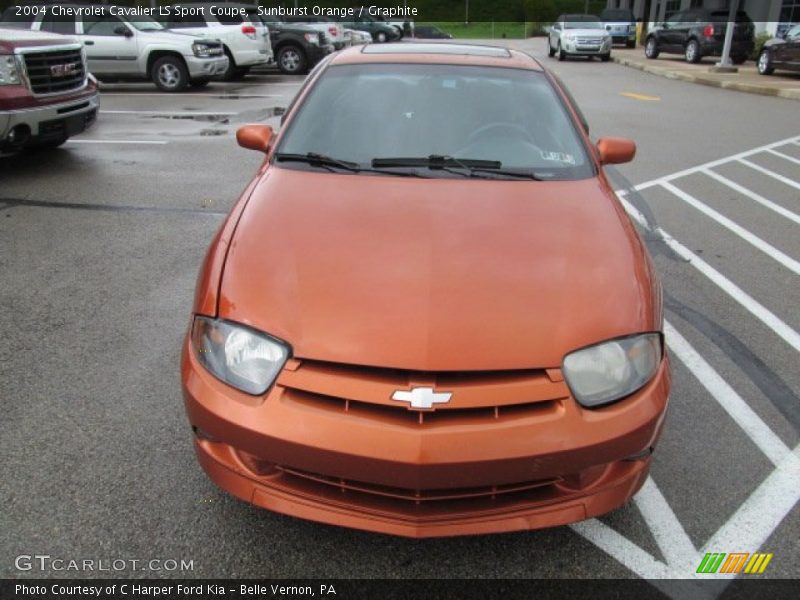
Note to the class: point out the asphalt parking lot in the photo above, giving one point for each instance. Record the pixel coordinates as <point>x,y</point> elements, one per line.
<point>100,243</point>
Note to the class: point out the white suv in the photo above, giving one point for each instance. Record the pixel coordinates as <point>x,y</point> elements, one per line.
<point>246,41</point>
<point>140,48</point>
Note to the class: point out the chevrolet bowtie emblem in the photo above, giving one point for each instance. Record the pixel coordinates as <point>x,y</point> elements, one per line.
<point>422,397</point>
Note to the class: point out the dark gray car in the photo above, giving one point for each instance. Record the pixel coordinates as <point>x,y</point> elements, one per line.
<point>781,53</point>
<point>698,32</point>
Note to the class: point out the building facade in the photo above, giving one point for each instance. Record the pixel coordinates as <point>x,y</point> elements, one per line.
<point>768,15</point>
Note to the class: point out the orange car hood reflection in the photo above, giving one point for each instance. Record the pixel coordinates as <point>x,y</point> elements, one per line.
<point>436,274</point>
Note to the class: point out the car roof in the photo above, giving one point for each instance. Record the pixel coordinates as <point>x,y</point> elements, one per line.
<point>438,53</point>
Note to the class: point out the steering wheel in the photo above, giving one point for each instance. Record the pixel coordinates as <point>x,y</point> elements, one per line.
<point>500,127</point>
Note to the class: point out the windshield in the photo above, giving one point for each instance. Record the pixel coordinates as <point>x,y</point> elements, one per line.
<point>616,14</point>
<point>583,25</point>
<point>144,23</point>
<point>514,117</point>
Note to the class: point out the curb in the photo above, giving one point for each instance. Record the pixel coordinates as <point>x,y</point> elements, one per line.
<point>739,86</point>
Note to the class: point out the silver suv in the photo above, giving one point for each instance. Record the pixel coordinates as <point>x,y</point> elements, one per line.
<point>579,35</point>
<point>621,25</point>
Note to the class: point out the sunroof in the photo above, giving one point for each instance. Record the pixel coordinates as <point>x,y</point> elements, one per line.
<point>441,48</point>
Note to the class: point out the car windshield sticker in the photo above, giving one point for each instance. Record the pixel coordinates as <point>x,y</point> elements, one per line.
<point>562,157</point>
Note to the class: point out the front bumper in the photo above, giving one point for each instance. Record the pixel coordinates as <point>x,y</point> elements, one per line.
<point>252,58</point>
<point>714,47</point>
<point>202,68</point>
<point>578,49</point>
<point>51,121</point>
<point>290,452</point>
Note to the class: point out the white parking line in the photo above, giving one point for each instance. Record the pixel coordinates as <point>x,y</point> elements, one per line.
<point>668,532</point>
<point>156,142</point>
<point>169,113</point>
<point>219,95</point>
<point>755,520</point>
<point>765,247</point>
<point>784,156</point>
<point>789,335</point>
<point>773,174</point>
<point>733,404</point>
<point>784,212</point>
<point>715,163</point>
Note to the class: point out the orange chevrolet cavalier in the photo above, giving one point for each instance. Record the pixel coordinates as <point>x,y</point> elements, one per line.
<point>428,314</point>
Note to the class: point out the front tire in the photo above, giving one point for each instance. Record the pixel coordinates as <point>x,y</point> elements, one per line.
<point>170,74</point>
<point>550,51</point>
<point>230,72</point>
<point>764,65</point>
<point>739,60</point>
<point>651,48</point>
<point>380,37</point>
<point>561,54</point>
<point>630,44</point>
<point>291,60</point>
<point>605,57</point>
<point>692,53</point>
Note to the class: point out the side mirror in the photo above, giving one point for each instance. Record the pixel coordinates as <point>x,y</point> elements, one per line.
<point>254,137</point>
<point>613,151</point>
<point>122,30</point>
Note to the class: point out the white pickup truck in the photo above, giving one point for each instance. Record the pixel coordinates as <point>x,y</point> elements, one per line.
<point>120,48</point>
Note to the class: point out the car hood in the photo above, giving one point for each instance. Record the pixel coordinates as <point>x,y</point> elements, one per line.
<point>179,37</point>
<point>774,42</point>
<point>586,32</point>
<point>436,274</point>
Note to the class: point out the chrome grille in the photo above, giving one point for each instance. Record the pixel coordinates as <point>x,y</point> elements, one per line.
<point>55,71</point>
<point>586,41</point>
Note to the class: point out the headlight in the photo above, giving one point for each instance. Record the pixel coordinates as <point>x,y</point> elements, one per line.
<point>312,38</point>
<point>609,371</point>
<point>239,356</point>
<point>201,50</point>
<point>9,74</point>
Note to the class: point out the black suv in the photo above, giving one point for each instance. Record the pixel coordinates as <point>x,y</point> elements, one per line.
<point>698,32</point>
<point>297,47</point>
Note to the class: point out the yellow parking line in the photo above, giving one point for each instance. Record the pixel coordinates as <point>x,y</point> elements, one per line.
<point>642,97</point>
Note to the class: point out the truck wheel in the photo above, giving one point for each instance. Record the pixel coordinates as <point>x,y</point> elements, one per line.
<point>380,37</point>
<point>651,48</point>
<point>240,73</point>
<point>291,60</point>
<point>170,74</point>
<point>232,70</point>
<point>48,144</point>
<point>605,57</point>
<point>739,59</point>
<point>561,54</point>
<point>693,53</point>
<point>765,63</point>
<point>550,52</point>
<point>630,44</point>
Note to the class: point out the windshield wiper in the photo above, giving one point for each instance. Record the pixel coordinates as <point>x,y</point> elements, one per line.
<point>330,163</point>
<point>472,167</point>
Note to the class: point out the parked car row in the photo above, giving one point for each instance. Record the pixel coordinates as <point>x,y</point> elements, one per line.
<point>188,47</point>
